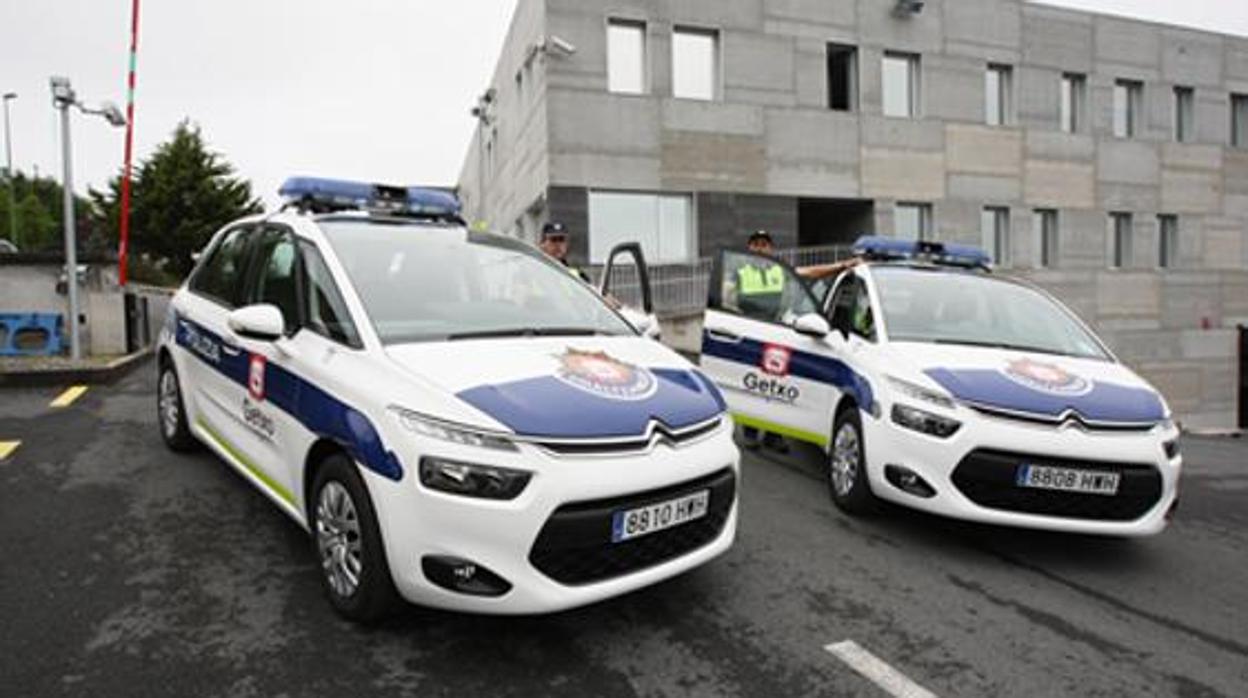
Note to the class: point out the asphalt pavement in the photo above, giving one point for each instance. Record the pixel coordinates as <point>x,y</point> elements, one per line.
<point>127,570</point>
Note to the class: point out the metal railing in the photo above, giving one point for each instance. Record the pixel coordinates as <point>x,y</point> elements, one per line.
<point>681,289</point>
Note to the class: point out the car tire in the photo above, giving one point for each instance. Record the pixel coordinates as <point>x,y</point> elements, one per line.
<point>346,538</point>
<point>171,410</point>
<point>847,465</point>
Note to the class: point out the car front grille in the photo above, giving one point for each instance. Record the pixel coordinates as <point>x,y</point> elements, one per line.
<point>987,477</point>
<point>574,547</point>
<point>674,438</point>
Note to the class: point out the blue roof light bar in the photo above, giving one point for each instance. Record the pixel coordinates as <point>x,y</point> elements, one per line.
<point>876,247</point>
<point>327,195</point>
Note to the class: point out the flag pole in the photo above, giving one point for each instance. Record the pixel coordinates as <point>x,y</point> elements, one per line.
<point>123,251</point>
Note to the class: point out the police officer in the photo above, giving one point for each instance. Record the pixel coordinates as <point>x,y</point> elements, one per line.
<point>554,242</point>
<point>760,285</point>
<point>760,293</point>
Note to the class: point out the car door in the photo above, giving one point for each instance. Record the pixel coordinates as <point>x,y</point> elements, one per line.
<point>217,368</point>
<point>626,279</point>
<point>774,377</point>
<point>266,425</point>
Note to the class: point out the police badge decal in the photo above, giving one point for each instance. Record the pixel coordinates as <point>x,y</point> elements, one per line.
<point>1047,378</point>
<point>598,373</point>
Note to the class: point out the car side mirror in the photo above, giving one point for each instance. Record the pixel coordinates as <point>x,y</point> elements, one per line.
<point>812,325</point>
<point>262,322</point>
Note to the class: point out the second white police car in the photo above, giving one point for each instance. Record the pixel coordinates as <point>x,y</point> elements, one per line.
<point>456,419</point>
<point>936,384</point>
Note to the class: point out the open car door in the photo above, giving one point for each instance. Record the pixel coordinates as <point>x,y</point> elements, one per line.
<point>768,347</point>
<point>626,279</point>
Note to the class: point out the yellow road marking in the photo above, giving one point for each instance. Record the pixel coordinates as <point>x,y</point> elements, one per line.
<point>7,448</point>
<point>67,398</point>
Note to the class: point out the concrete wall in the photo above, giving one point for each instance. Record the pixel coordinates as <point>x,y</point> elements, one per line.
<point>31,288</point>
<point>768,138</point>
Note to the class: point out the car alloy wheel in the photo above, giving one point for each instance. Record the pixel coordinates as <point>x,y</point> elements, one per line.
<point>338,539</point>
<point>170,404</point>
<point>845,456</point>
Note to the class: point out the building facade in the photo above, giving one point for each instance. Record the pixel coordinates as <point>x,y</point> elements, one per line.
<point>1104,158</point>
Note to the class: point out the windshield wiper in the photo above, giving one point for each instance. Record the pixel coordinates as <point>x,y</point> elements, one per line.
<point>528,332</point>
<point>1001,345</point>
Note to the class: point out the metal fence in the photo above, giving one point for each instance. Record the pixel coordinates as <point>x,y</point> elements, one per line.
<point>681,289</point>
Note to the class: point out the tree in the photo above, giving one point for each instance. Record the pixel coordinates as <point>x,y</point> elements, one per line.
<point>39,213</point>
<point>38,228</point>
<point>179,197</point>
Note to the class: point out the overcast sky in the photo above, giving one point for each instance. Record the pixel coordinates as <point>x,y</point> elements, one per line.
<point>369,89</point>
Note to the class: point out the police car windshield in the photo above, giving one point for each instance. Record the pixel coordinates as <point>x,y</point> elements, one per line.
<point>423,283</point>
<point>976,310</point>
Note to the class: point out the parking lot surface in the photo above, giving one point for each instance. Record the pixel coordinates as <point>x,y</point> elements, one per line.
<point>127,570</point>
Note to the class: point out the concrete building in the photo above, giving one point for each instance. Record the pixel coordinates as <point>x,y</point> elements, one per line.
<point>1102,157</point>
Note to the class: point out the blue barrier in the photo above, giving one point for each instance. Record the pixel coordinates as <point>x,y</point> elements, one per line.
<point>30,334</point>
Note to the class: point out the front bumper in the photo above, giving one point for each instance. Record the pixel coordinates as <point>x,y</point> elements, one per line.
<point>550,544</point>
<point>973,473</point>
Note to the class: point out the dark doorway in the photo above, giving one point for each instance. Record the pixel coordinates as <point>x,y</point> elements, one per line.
<point>1243,376</point>
<point>833,221</point>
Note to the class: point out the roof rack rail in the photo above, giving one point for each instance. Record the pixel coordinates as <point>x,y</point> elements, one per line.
<point>879,248</point>
<point>321,195</point>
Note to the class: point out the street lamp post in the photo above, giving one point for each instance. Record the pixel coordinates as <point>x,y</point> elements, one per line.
<point>63,97</point>
<point>8,169</point>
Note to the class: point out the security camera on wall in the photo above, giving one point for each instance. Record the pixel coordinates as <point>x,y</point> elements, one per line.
<point>906,8</point>
<point>559,47</point>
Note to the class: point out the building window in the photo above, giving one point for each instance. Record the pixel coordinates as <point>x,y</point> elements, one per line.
<point>1128,96</point>
<point>1239,121</point>
<point>994,224</point>
<point>1167,241</point>
<point>901,85</point>
<point>842,77</point>
<point>1046,231</point>
<point>1184,114</point>
<point>997,95</point>
<point>1120,243</point>
<point>662,223</point>
<point>1074,89</point>
<point>626,56</point>
<point>695,63</point>
<point>913,221</point>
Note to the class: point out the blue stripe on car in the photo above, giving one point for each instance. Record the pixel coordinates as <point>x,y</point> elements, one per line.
<point>318,411</point>
<point>548,407</point>
<point>1106,402</point>
<point>803,364</point>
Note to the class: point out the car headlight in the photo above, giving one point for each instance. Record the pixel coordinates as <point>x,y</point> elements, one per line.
<point>454,433</point>
<point>920,393</point>
<point>924,421</point>
<point>472,479</point>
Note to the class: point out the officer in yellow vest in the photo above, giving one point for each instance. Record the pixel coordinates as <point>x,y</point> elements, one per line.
<point>760,286</point>
<point>760,294</point>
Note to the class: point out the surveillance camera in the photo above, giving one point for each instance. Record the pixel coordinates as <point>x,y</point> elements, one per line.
<point>559,46</point>
<point>113,114</point>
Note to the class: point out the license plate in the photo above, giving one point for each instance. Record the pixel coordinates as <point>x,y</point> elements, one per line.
<point>632,523</point>
<point>1044,477</point>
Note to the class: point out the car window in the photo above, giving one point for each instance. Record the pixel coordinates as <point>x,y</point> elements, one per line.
<point>851,309</point>
<point>276,281</point>
<point>221,276</point>
<point>324,310</point>
<point>978,310</point>
<point>762,288</point>
<point>420,283</point>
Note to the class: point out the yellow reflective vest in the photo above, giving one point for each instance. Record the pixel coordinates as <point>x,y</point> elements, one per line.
<point>752,281</point>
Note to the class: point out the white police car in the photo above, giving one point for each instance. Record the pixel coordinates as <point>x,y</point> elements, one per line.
<point>452,415</point>
<point>933,383</point>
